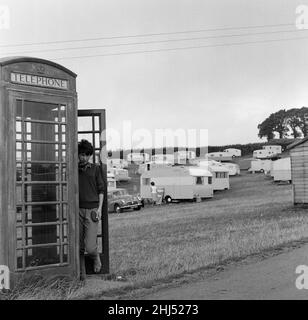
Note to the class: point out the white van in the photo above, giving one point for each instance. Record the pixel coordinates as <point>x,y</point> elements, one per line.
<point>177,182</point>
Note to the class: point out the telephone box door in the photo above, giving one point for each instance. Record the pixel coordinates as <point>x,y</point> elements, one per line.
<point>92,126</point>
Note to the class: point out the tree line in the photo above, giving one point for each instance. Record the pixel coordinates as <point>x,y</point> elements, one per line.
<point>285,123</point>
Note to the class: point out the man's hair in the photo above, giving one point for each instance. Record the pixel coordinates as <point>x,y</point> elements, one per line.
<point>84,146</point>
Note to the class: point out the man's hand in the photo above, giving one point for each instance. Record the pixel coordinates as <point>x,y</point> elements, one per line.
<point>100,206</point>
<point>99,213</point>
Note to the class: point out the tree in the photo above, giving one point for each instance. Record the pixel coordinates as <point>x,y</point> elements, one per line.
<point>266,129</point>
<point>279,123</point>
<point>293,121</point>
<point>282,121</point>
<point>303,119</point>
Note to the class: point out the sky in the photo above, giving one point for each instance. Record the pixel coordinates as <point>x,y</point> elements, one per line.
<point>215,86</point>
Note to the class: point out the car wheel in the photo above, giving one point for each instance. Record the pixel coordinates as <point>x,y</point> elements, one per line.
<point>168,199</point>
<point>138,208</point>
<point>117,208</point>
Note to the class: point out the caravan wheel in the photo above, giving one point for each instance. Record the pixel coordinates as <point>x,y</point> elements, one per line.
<point>168,199</point>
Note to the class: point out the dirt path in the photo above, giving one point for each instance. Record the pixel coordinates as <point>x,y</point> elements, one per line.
<point>272,278</point>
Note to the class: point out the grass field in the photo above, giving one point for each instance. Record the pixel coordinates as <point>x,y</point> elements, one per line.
<point>159,243</point>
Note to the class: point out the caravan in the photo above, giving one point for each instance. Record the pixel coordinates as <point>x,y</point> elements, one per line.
<point>163,158</point>
<point>111,181</point>
<point>220,174</point>
<point>117,163</point>
<point>136,157</point>
<point>259,165</point>
<point>145,166</point>
<point>234,152</point>
<point>177,182</point>
<point>267,152</point>
<point>119,174</point>
<point>219,156</point>
<point>281,169</point>
<point>276,149</point>
<point>233,168</point>
<point>184,157</point>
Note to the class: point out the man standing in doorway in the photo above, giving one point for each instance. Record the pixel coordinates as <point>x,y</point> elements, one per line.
<point>91,197</point>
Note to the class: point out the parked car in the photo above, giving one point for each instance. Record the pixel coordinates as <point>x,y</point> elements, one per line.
<point>119,199</point>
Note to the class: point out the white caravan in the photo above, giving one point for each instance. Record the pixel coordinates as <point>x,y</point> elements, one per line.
<point>117,163</point>
<point>281,169</point>
<point>233,168</point>
<point>119,174</point>
<point>234,152</point>
<point>137,157</point>
<point>259,165</point>
<point>220,173</point>
<point>111,181</point>
<point>276,149</point>
<point>263,154</point>
<point>146,166</point>
<point>219,156</point>
<point>163,158</point>
<point>183,156</point>
<point>178,182</point>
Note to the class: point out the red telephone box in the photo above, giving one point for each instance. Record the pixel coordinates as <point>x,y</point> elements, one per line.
<point>39,169</point>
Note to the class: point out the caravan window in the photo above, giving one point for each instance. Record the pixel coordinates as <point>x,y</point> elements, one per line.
<point>221,175</point>
<point>199,180</point>
<point>146,181</point>
<point>210,180</point>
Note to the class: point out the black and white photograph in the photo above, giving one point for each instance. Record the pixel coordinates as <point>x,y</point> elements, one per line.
<point>153,152</point>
